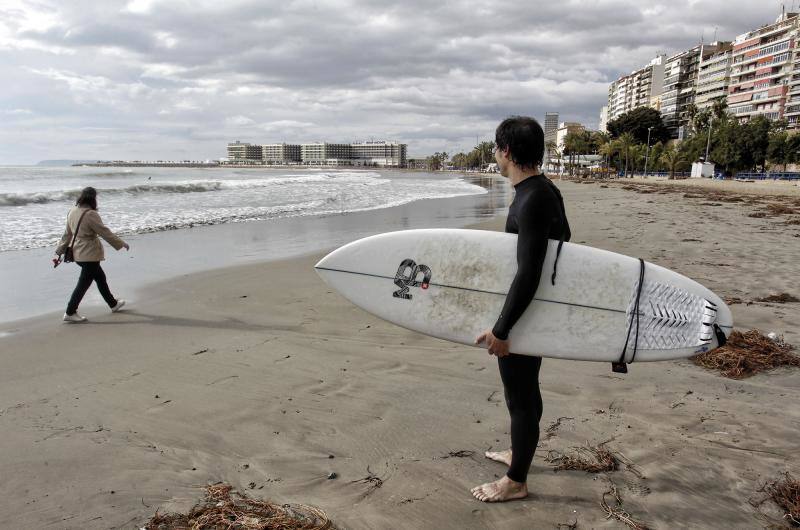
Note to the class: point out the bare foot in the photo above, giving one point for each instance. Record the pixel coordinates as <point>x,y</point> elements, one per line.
<point>504,457</point>
<point>501,490</point>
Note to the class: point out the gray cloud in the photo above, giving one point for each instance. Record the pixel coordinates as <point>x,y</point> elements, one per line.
<point>174,79</point>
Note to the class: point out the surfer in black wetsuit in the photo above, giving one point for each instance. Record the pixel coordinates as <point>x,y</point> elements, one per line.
<point>536,215</point>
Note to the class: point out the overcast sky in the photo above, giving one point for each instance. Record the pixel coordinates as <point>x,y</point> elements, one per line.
<point>178,79</point>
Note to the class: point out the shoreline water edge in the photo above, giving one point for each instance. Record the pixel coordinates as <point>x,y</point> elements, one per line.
<point>218,223</point>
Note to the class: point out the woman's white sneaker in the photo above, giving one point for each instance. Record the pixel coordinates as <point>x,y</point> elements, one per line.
<point>117,307</point>
<point>75,317</point>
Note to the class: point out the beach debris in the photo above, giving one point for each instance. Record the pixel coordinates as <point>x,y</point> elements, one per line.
<point>597,459</point>
<point>553,427</point>
<point>463,453</point>
<point>617,511</point>
<point>568,526</point>
<point>225,508</point>
<point>780,209</point>
<point>747,354</point>
<point>332,475</point>
<point>784,492</point>
<point>204,350</point>
<point>372,479</point>
<point>781,298</point>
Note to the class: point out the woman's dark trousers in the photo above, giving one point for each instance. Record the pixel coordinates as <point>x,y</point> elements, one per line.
<point>90,272</point>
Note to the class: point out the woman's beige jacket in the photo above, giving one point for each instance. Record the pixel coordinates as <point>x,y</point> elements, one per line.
<point>87,245</point>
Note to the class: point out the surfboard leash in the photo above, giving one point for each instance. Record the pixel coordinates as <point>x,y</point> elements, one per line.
<point>621,366</point>
<point>555,262</point>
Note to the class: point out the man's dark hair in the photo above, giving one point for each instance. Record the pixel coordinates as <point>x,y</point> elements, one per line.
<point>524,138</point>
<point>88,197</point>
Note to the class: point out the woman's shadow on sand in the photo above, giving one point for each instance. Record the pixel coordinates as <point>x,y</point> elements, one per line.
<point>173,321</point>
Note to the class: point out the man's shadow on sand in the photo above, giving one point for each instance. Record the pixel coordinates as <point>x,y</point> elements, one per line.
<point>173,321</point>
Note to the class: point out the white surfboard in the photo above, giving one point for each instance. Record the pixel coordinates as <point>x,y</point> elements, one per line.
<point>452,284</point>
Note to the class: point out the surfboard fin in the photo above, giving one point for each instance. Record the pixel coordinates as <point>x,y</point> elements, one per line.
<point>619,368</point>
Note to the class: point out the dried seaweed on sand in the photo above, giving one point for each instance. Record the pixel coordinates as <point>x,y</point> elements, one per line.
<point>778,298</point>
<point>785,492</point>
<point>779,209</point>
<point>372,479</point>
<point>227,509</point>
<point>747,354</point>
<point>597,459</point>
<point>617,512</point>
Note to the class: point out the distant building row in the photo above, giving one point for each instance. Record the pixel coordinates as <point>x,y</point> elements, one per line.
<point>380,154</point>
<point>758,74</point>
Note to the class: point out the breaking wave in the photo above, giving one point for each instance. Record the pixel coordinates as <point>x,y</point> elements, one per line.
<point>43,197</point>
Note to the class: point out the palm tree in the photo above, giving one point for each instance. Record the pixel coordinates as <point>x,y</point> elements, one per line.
<point>720,109</point>
<point>550,148</point>
<point>626,141</point>
<point>608,150</point>
<point>637,154</point>
<point>672,159</point>
<point>557,155</point>
<point>570,146</point>
<point>689,114</point>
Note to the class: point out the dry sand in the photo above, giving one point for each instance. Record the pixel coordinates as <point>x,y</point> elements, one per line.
<point>262,377</point>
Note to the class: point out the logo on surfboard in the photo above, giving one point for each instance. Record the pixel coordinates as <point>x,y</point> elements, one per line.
<point>407,276</point>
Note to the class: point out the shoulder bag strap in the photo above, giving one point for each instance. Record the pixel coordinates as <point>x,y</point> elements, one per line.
<point>75,235</point>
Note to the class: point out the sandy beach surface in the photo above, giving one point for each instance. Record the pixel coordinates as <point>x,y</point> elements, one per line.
<point>261,376</point>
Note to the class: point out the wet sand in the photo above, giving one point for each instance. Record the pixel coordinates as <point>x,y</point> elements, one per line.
<point>261,376</point>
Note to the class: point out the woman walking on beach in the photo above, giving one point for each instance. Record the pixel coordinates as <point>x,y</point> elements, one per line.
<point>83,228</point>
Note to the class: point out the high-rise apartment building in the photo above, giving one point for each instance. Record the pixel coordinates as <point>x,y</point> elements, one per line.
<point>550,127</point>
<point>713,76</point>
<point>762,78</point>
<point>680,85</point>
<point>636,89</point>
<point>681,79</point>
<point>602,127</point>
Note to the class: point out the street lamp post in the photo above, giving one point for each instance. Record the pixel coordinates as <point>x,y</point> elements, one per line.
<point>708,144</point>
<point>647,154</point>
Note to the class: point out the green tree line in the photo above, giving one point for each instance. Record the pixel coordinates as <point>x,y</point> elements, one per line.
<point>731,145</point>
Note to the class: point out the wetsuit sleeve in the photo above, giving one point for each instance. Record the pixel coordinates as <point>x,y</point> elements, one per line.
<point>532,240</point>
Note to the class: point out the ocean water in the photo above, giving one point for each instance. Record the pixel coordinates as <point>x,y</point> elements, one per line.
<point>181,221</point>
<point>34,201</point>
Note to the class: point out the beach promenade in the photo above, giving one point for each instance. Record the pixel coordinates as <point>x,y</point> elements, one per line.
<point>261,376</point>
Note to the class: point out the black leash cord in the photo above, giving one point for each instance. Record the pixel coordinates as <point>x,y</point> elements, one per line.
<point>620,366</point>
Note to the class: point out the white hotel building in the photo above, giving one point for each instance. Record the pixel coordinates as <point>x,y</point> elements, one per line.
<point>372,154</point>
